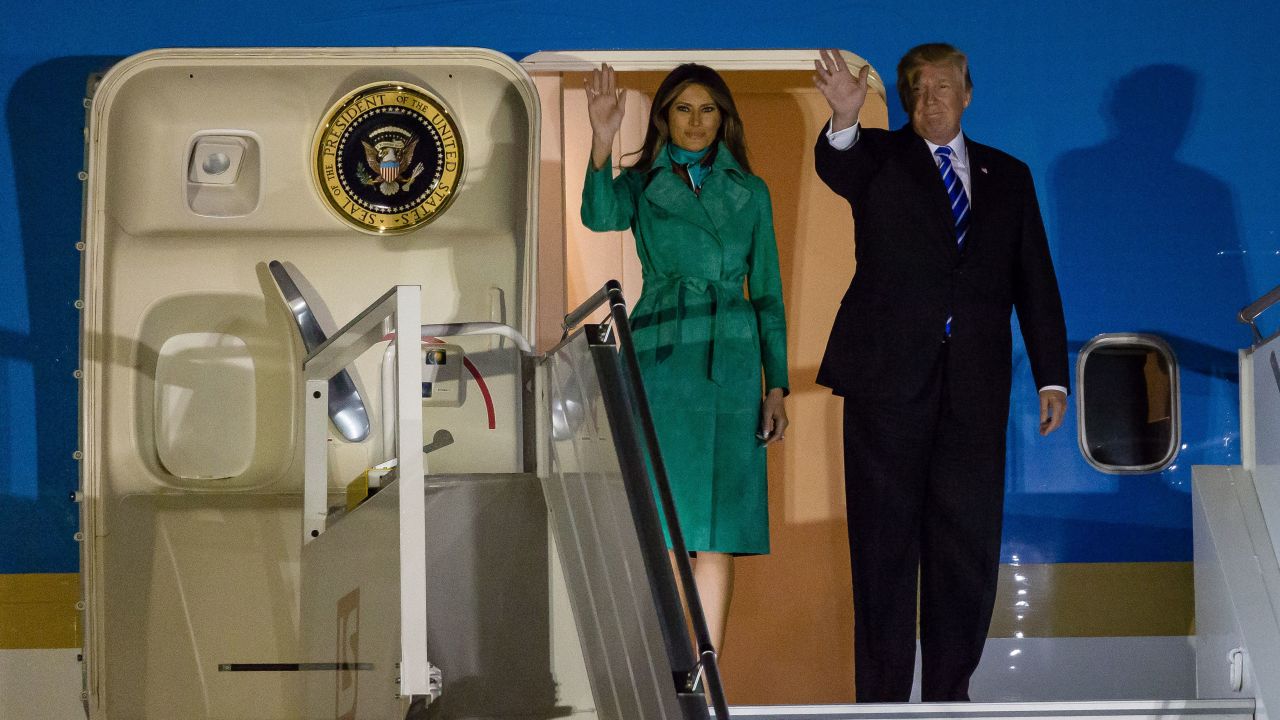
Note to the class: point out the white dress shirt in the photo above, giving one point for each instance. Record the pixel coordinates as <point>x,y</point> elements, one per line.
<point>845,139</point>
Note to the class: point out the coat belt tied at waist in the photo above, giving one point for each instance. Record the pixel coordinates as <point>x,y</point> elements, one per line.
<point>721,292</point>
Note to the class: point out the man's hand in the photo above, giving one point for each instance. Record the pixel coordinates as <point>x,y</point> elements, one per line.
<point>1053,407</point>
<point>605,107</point>
<point>843,92</point>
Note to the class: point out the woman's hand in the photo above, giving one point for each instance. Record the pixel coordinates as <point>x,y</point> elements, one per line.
<point>773,417</point>
<point>844,93</point>
<point>605,107</point>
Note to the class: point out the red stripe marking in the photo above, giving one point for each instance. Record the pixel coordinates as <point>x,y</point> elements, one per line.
<point>484,390</point>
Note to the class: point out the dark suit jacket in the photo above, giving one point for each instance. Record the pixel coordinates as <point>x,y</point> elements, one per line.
<point>910,276</point>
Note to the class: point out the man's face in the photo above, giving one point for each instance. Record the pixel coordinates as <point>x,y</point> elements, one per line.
<point>940,99</point>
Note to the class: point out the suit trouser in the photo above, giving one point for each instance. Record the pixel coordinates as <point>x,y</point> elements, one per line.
<point>924,488</point>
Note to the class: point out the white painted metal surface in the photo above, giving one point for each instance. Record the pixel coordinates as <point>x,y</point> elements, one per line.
<point>415,671</point>
<point>1085,669</point>
<point>1260,392</point>
<point>1114,710</point>
<point>40,684</point>
<point>1236,515</point>
<point>350,612</point>
<point>1237,586</point>
<point>661,60</point>
<point>403,304</point>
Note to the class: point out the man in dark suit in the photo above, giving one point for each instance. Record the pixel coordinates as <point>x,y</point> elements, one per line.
<point>949,241</point>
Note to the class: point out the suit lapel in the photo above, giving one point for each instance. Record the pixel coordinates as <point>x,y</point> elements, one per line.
<point>923,169</point>
<point>979,189</point>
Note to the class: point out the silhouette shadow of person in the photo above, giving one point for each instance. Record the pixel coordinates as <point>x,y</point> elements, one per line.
<point>1154,237</point>
<point>1148,243</point>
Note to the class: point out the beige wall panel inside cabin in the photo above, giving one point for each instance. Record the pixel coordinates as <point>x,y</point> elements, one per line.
<point>790,635</point>
<point>591,258</point>
<point>551,174</point>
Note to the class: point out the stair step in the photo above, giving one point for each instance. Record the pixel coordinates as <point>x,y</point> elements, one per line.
<point>1095,710</point>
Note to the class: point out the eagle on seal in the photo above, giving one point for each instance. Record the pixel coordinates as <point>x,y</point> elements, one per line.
<point>390,161</point>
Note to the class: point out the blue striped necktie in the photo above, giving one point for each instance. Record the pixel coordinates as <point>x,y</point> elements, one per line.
<point>959,202</point>
<point>955,191</point>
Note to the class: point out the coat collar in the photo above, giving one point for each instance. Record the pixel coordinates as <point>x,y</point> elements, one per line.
<point>723,196</point>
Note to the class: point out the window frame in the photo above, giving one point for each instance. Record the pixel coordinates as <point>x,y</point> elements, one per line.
<point>1141,340</point>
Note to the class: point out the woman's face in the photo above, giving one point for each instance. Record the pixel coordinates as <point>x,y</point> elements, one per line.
<point>694,118</point>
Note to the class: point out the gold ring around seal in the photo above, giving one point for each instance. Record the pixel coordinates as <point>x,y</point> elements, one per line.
<point>388,158</point>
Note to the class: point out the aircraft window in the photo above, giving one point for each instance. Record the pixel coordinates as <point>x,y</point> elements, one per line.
<point>1127,403</point>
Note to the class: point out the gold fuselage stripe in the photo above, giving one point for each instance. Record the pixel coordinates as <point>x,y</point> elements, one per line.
<point>38,611</point>
<point>1095,600</point>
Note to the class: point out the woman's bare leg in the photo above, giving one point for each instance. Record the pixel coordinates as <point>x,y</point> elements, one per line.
<point>713,574</point>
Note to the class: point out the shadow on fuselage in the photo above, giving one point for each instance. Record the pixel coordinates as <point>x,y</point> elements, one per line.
<point>45,116</point>
<point>1143,243</point>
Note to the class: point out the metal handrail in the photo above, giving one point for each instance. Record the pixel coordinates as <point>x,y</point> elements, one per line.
<point>1250,313</point>
<point>576,316</point>
<point>346,408</point>
<point>707,665</point>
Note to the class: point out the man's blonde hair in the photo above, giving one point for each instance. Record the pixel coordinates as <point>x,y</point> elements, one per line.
<point>928,54</point>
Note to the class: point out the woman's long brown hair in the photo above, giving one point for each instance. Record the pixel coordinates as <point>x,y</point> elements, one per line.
<point>659,132</point>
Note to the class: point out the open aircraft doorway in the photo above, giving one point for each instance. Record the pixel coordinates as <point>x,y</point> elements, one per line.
<point>1063,629</point>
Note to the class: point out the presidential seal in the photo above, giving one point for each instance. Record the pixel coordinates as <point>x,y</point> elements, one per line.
<point>388,158</point>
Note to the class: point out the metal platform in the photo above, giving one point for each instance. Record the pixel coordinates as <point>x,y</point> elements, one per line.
<point>1113,710</point>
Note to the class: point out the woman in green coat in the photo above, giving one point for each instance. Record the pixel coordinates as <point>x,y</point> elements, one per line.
<point>703,227</point>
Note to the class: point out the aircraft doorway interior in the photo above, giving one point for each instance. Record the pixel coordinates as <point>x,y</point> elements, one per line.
<point>1062,631</point>
<point>792,614</point>
<point>300,265</point>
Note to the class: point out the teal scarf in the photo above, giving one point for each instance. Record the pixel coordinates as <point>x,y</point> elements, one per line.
<point>692,161</point>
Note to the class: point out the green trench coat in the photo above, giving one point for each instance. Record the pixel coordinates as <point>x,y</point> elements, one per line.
<point>701,344</point>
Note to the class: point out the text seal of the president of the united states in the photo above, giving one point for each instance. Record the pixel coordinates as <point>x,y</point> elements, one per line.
<point>388,158</point>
